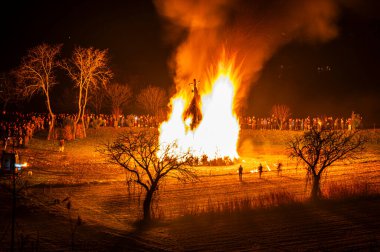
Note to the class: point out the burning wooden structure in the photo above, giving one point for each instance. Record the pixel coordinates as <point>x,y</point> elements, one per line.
<point>193,112</point>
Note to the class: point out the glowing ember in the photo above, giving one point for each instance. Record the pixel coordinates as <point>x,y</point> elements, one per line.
<point>215,131</point>
<point>21,165</point>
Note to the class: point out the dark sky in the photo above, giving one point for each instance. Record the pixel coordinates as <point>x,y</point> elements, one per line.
<point>332,78</point>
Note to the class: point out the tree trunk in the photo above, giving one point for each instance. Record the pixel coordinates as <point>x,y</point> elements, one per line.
<point>74,129</point>
<point>316,190</point>
<point>78,116</point>
<point>84,111</point>
<point>51,128</point>
<point>147,204</point>
<point>84,126</point>
<point>75,126</point>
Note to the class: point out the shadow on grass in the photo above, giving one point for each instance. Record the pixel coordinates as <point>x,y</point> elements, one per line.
<point>326,225</point>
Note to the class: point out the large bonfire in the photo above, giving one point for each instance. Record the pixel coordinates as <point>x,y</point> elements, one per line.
<point>203,120</point>
<point>254,31</point>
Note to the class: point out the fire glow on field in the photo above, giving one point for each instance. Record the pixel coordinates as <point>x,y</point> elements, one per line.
<point>216,134</point>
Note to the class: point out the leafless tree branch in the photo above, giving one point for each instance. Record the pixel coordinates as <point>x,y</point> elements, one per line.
<point>140,153</point>
<point>281,113</point>
<point>152,100</point>
<point>36,74</point>
<point>319,149</point>
<point>88,68</point>
<point>119,95</point>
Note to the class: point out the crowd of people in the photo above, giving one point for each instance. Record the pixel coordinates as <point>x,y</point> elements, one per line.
<point>326,122</point>
<point>104,120</point>
<point>18,128</point>
<point>267,123</point>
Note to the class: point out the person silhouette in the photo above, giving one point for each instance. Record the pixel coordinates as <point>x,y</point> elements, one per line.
<point>240,173</point>
<point>260,170</point>
<point>62,145</point>
<point>279,169</point>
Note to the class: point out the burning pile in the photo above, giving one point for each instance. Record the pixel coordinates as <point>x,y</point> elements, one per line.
<point>205,121</point>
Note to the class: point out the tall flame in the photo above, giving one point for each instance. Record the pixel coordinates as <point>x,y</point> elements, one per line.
<point>217,133</point>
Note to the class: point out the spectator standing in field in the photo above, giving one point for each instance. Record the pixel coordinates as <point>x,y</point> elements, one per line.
<point>279,169</point>
<point>260,170</point>
<point>61,145</point>
<point>241,173</point>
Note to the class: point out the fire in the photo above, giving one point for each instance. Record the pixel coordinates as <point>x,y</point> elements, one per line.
<point>207,125</point>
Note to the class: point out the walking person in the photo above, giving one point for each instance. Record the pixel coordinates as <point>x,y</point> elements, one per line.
<point>61,145</point>
<point>260,170</point>
<point>279,169</point>
<point>240,173</point>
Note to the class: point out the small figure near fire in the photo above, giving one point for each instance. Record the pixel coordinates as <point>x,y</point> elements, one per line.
<point>193,112</point>
<point>240,173</point>
<point>279,169</point>
<point>62,145</point>
<point>260,170</point>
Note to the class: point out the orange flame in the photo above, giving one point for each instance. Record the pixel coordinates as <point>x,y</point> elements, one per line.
<point>217,133</point>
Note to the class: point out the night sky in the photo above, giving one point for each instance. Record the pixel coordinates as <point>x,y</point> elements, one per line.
<point>330,78</point>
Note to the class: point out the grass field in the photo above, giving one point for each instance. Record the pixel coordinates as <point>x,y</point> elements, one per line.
<point>215,213</point>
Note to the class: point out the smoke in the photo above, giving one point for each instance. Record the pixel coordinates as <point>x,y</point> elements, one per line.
<point>250,31</point>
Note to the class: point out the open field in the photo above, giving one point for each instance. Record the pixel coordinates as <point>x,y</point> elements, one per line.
<point>194,216</point>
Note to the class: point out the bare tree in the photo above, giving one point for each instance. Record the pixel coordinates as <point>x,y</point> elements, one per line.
<point>152,100</point>
<point>281,113</point>
<point>149,163</point>
<point>119,95</point>
<point>88,68</point>
<point>36,74</point>
<point>8,90</point>
<point>319,149</point>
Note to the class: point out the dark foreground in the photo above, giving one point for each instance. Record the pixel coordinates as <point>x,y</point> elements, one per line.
<point>346,225</point>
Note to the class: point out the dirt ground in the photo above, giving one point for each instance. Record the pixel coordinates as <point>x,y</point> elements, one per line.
<point>109,209</point>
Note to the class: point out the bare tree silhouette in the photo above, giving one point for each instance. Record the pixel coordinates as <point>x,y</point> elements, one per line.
<point>36,74</point>
<point>149,163</point>
<point>152,100</point>
<point>88,68</point>
<point>281,113</point>
<point>119,95</point>
<point>319,149</point>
